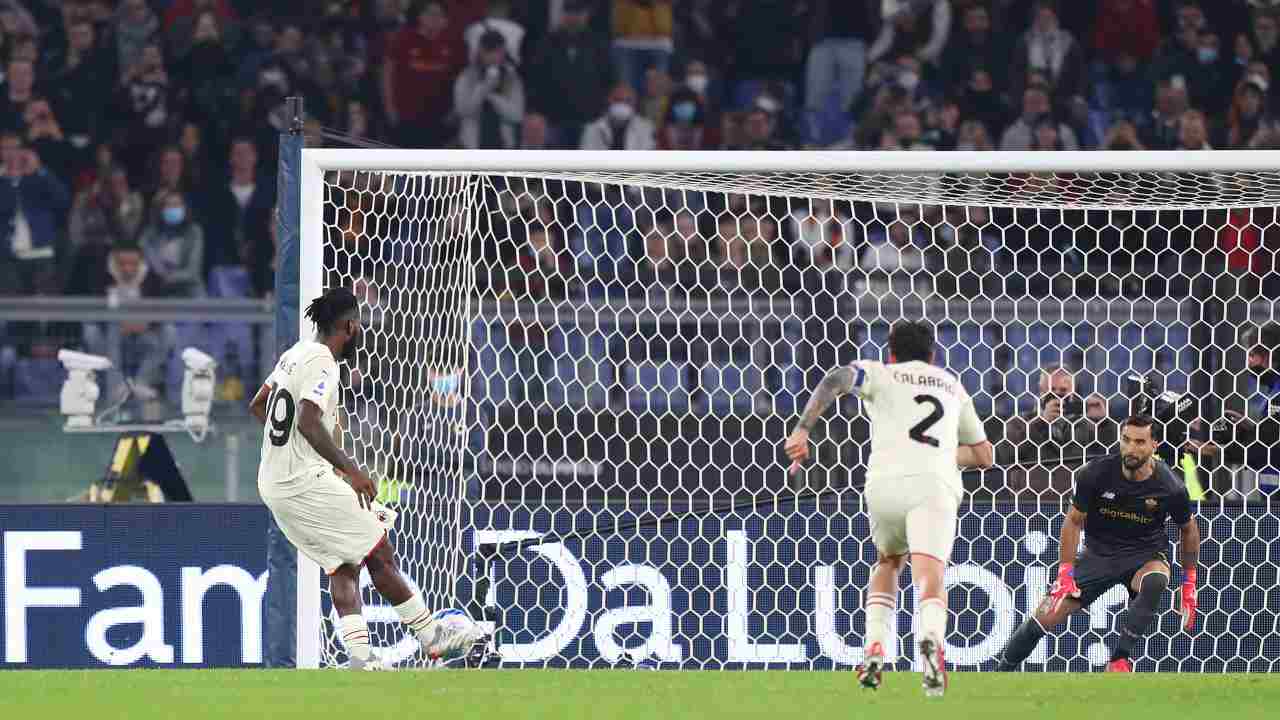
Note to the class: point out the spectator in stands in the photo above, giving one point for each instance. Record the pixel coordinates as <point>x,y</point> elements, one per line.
<point>821,237</point>
<point>642,38</point>
<point>656,99</point>
<point>837,63</point>
<point>745,252</point>
<point>973,136</point>
<point>1126,32</point>
<point>81,85</point>
<point>1035,108</point>
<point>976,47</point>
<point>144,112</point>
<point>135,27</point>
<point>497,20</point>
<point>235,215</point>
<point>489,98</point>
<point>759,129</point>
<point>981,102</point>
<point>658,267</point>
<point>916,29</point>
<point>620,128</point>
<point>906,133</point>
<point>1048,49</point>
<point>19,81</point>
<point>418,76</point>
<point>1247,115</point>
<point>137,347</point>
<point>1210,80</point>
<point>1045,135</point>
<point>33,210</point>
<point>173,243</point>
<point>685,125</point>
<point>942,126</point>
<point>1123,135</point>
<point>203,75</point>
<point>534,132</point>
<point>170,175</point>
<point>1266,36</point>
<point>573,50</point>
<point>45,137</point>
<point>1193,131</point>
<point>1159,130</point>
<point>891,262</point>
<point>107,213</point>
<point>543,267</point>
<point>697,77</point>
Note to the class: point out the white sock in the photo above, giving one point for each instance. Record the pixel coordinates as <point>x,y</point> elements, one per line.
<point>414,614</point>
<point>881,611</point>
<point>355,635</point>
<point>931,620</point>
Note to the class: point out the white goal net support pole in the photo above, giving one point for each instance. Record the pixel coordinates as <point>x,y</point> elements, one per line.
<point>580,367</point>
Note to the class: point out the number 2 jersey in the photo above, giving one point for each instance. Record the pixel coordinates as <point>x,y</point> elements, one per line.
<point>306,371</point>
<point>920,413</point>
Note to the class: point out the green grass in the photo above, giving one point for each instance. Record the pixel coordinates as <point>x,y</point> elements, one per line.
<point>621,695</point>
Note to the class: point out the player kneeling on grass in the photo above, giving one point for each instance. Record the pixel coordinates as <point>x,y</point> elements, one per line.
<point>923,425</point>
<point>1122,502</point>
<point>329,519</point>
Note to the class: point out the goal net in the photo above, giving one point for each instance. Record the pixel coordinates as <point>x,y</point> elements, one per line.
<point>579,369</point>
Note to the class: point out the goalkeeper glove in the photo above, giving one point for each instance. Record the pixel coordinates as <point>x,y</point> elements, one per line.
<point>1189,604</point>
<point>1065,586</point>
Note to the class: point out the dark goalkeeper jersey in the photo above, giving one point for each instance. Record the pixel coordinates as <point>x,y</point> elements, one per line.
<point>1123,516</point>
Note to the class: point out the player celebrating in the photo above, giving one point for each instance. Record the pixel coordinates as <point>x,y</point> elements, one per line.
<point>325,517</point>
<point>922,425</point>
<point>1123,500</point>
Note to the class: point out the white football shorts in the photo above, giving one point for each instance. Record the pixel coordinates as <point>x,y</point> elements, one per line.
<point>912,515</point>
<point>326,522</point>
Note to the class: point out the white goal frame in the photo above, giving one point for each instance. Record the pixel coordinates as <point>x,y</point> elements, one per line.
<point>316,162</point>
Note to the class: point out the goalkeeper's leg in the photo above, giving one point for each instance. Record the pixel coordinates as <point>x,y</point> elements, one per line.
<point>1148,585</point>
<point>412,609</point>
<point>1028,634</point>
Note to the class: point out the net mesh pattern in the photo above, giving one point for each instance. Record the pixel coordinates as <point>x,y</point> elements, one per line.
<point>630,351</point>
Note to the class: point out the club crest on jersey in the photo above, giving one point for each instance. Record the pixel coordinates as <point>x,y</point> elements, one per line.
<point>1151,504</point>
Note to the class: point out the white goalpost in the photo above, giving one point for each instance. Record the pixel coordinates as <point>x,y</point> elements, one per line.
<point>579,368</point>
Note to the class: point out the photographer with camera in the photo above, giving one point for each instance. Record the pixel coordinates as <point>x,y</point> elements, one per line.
<point>1252,439</point>
<point>489,97</point>
<point>1041,448</point>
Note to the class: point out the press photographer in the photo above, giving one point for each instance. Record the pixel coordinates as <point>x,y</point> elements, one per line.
<point>1043,447</point>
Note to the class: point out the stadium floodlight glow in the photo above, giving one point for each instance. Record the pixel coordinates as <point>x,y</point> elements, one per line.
<point>197,391</point>
<point>79,395</point>
<point>632,422</point>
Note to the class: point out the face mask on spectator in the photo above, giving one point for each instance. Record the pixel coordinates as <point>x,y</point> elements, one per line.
<point>620,112</point>
<point>174,215</point>
<point>909,80</point>
<point>685,111</point>
<point>1207,55</point>
<point>697,83</point>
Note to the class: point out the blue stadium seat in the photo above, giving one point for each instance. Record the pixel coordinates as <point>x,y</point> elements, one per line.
<point>731,388</point>
<point>583,370</point>
<point>657,387</point>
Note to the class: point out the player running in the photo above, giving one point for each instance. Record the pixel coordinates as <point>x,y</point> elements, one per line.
<point>1123,500</point>
<point>327,518</point>
<point>922,426</point>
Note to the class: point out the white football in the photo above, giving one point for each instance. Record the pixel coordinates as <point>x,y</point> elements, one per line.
<point>454,633</point>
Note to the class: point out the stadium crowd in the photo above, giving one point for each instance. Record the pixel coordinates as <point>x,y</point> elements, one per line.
<point>138,137</point>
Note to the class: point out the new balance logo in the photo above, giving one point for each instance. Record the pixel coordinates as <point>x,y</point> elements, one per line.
<point>1108,495</point>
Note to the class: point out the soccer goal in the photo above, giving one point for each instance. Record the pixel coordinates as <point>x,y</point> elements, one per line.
<point>579,368</point>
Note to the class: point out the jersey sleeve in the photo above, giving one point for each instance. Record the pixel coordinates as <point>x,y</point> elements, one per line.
<point>318,381</point>
<point>1180,505</point>
<point>971,430</point>
<point>277,374</point>
<point>1083,485</point>
<point>866,377</point>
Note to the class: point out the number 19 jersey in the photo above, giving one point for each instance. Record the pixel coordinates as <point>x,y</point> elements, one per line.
<point>306,371</point>
<point>919,414</point>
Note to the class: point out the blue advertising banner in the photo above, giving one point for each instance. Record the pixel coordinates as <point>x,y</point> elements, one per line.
<point>132,585</point>
<point>783,589</point>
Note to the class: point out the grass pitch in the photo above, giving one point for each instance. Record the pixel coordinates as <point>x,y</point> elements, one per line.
<point>621,695</point>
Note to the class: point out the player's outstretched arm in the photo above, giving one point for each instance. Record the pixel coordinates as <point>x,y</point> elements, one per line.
<point>313,430</point>
<point>980,456</point>
<point>1190,558</point>
<point>836,383</point>
<point>1065,586</point>
<point>258,406</point>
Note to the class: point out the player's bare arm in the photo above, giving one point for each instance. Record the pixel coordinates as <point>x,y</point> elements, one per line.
<point>258,406</point>
<point>980,456</point>
<point>1189,553</point>
<point>836,383</point>
<point>314,431</point>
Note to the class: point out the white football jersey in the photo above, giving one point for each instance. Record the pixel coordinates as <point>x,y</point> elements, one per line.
<point>919,414</point>
<point>306,371</point>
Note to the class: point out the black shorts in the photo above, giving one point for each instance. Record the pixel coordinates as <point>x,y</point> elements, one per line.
<point>1096,574</point>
